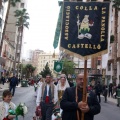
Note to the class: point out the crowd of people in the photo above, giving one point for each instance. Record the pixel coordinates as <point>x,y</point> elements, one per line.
<point>60,99</point>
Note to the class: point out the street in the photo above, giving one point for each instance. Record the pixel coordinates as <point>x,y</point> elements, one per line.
<point>26,95</point>
<point>109,111</point>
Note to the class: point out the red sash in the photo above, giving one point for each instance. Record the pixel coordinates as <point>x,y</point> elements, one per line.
<point>6,119</point>
<point>47,99</point>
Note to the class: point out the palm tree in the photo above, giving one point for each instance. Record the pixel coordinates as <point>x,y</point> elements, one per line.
<point>22,17</point>
<point>29,70</point>
<point>116,6</point>
<point>13,4</point>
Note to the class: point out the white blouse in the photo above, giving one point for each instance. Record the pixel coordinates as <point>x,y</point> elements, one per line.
<point>7,106</point>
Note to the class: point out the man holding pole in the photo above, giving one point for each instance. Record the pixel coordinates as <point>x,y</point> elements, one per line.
<point>72,104</point>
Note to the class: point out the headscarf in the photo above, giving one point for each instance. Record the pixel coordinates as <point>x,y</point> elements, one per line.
<point>65,85</point>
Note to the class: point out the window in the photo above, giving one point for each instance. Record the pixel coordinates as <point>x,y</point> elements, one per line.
<point>99,61</point>
<point>109,66</point>
<point>22,5</point>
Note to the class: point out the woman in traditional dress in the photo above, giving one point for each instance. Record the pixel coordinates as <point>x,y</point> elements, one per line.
<point>61,86</point>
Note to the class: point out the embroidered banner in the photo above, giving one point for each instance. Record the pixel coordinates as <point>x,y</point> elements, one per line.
<point>85,28</point>
<point>58,66</point>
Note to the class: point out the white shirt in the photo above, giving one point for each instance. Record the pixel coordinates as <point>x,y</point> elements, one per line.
<point>7,106</point>
<point>40,92</point>
<point>48,87</point>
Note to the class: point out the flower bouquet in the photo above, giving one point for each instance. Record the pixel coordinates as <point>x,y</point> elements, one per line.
<point>56,111</point>
<point>20,110</point>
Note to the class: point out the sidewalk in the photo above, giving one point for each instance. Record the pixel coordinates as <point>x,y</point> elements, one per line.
<point>110,99</point>
<point>4,87</point>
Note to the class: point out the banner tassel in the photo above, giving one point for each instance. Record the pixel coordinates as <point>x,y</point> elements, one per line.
<point>54,54</point>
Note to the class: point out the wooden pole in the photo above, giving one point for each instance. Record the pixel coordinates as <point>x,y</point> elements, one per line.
<point>84,86</point>
<point>84,96</point>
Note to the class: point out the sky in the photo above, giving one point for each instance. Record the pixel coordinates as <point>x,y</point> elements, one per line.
<point>43,20</point>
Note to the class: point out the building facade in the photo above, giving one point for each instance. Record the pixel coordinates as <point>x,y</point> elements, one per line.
<point>2,20</point>
<point>12,44</point>
<point>35,60</point>
<point>47,58</point>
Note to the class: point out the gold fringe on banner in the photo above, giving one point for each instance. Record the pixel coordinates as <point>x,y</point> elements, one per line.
<point>84,57</point>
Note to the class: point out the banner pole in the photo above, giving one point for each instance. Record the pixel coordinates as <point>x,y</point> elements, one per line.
<point>84,97</point>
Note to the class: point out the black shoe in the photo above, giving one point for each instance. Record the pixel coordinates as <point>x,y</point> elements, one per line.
<point>117,105</point>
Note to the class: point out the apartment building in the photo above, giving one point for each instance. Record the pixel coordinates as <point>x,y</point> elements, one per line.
<point>2,20</point>
<point>12,44</point>
<point>111,53</point>
<point>44,58</point>
<point>79,67</point>
<point>35,60</point>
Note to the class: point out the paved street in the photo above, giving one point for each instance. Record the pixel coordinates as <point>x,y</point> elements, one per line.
<point>26,95</point>
<point>109,111</point>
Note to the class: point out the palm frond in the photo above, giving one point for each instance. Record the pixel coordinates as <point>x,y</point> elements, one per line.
<point>116,4</point>
<point>26,17</point>
<point>14,2</point>
<point>26,25</point>
<point>22,17</point>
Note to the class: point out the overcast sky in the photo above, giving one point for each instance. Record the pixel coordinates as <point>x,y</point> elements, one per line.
<point>43,21</point>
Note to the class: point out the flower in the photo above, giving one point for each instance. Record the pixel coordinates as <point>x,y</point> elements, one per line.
<point>21,109</point>
<point>25,110</point>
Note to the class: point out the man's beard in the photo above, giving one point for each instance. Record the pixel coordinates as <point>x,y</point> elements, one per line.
<point>48,82</point>
<point>80,86</point>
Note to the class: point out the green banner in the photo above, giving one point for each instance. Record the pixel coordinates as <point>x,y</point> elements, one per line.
<point>58,66</point>
<point>58,28</point>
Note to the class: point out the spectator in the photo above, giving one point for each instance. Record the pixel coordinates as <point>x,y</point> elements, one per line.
<point>3,79</point>
<point>98,91</point>
<point>5,105</point>
<point>13,84</point>
<point>105,91</point>
<point>110,90</point>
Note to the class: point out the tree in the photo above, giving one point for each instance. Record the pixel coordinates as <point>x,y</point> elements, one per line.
<point>13,4</point>
<point>46,71</point>
<point>116,6</point>
<point>20,67</point>
<point>28,70</point>
<point>22,21</point>
<point>68,67</point>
